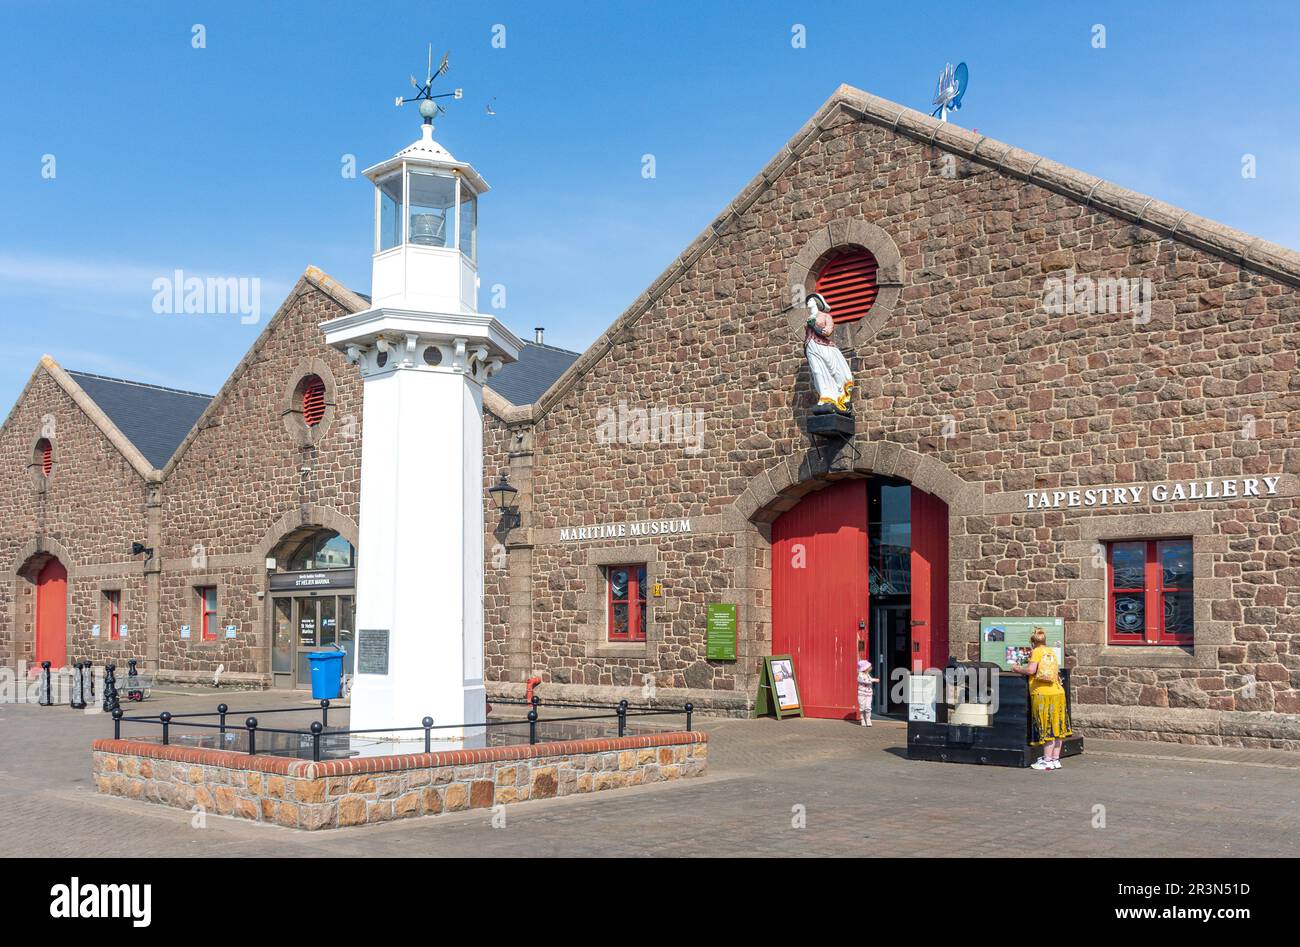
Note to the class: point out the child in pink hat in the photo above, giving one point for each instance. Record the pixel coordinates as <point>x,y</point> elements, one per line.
<point>866,691</point>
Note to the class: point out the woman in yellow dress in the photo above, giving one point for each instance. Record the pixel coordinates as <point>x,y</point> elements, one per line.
<point>1049,717</point>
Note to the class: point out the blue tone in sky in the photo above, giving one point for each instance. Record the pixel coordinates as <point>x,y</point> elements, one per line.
<point>226,160</point>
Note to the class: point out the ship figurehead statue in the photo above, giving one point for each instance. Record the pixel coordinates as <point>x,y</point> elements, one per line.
<point>831,376</point>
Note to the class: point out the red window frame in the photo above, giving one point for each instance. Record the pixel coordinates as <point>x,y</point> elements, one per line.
<point>847,281</point>
<point>313,401</point>
<point>1153,592</point>
<point>114,599</point>
<point>634,599</point>
<point>207,616</point>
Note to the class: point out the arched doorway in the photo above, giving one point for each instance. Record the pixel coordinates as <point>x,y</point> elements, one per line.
<point>51,639</point>
<point>313,602</point>
<point>860,569</point>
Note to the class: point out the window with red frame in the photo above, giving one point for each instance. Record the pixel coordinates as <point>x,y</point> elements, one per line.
<point>627,604</point>
<point>313,400</point>
<point>847,281</point>
<point>208,612</point>
<point>1150,592</point>
<point>45,456</point>
<point>113,605</point>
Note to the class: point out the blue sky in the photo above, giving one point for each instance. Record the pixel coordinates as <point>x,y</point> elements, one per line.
<point>226,160</point>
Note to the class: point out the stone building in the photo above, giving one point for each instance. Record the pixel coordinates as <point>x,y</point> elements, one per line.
<point>1074,403</point>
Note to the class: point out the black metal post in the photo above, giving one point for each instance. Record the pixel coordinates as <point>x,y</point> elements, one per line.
<point>532,726</point>
<point>427,723</point>
<point>90,678</point>
<point>166,719</point>
<point>324,713</point>
<point>622,718</point>
<point>117,724</point>
<point>690,709</point>
<point>46,697</point>
<point>251,724</point>
<point>110,688</point>
<point>316,728</point>
<point>222,710</point>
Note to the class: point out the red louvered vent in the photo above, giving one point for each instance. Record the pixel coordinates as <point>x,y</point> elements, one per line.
<point>313,401</point>
<point>848,283</point>
<point>46,451</point>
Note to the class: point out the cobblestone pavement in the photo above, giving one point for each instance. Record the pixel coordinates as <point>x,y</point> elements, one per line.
<point>858,793</point>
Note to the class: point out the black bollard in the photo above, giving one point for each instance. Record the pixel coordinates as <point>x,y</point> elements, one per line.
<point>77,700</point>
<point>690,710</point>
<point>251,724</point>
<point>532,727</point>
<point>117,724</point>
<point>110,688</point>
<point>427,723</point>
<point>324,713</point>
<point>316,728</point>
<point>622,718</point>
<point>166,719</point>
<point>222,710</point>
<point>46,696</point>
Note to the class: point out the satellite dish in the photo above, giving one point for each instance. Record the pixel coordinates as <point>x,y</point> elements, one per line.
<point>949,90</point>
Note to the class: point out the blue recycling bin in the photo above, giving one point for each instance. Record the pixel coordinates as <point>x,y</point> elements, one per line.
<point>326,674</point>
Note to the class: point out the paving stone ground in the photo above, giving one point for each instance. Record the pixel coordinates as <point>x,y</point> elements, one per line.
<point>859,793</point>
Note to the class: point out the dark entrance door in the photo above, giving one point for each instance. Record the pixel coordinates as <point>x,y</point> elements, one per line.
<point>891,646</point>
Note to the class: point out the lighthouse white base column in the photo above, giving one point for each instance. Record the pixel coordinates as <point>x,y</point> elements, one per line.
<point>420,556</point>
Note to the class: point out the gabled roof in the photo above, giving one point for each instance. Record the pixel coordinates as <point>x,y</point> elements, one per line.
<point>153,418</point>
<point>526,380</point>
<point>1241,249</point>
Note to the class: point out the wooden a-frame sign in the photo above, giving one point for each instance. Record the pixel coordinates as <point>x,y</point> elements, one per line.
<point>778,689</point>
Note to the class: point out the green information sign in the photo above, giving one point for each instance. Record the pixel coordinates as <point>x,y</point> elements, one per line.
<point>720,635</point>
<point>1005,641</point>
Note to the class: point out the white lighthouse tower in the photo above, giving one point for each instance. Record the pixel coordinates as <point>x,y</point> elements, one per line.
<point>424,352</point>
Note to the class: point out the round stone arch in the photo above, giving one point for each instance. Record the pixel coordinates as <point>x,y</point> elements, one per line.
<point>324,517</point>
<point>25,566</point>
<point>785,483</point>
<point>842,235</point>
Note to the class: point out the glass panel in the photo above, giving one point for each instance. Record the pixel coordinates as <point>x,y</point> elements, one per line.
<point>328,620</point>
<point>347,629</point>
<point>620,620</point>
<point>1176,561</point>
<point>1129,561</point>
<point>1178,614</point>
<point>324,550</point>
<point>306,639</point>
<point>640,583</point>
<point>390,210</point>
<point>889,534</point>
<point>618,584</point>
<point>282,645</point>
<point>641,628</point>
<point>1130,613</point>
<point>468,222</point>
<point>433,199</point>
<point>210,599</point>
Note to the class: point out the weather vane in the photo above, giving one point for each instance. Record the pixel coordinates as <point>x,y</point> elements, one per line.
<point>429,107</point>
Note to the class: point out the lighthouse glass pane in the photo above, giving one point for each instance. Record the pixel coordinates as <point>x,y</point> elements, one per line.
<point>390,211</point>
<point>468,222</point>
<point>433,204</point>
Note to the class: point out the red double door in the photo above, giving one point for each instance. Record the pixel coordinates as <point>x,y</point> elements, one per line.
<point>820,591</point>
<point>52,614</point>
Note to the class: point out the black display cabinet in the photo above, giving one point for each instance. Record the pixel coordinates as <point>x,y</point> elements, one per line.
<point>1005,742</point>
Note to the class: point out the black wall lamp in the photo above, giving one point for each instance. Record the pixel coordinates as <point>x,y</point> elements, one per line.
<point>138,548</point>
<point>504,495</point>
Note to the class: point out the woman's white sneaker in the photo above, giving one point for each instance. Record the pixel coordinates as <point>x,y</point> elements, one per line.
<point>1054,764</point>
<point>1040,764</point>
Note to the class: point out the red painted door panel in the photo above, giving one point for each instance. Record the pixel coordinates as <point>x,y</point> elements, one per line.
<point>819,594</point>
<point>929,581</point>
<point>52,614</point>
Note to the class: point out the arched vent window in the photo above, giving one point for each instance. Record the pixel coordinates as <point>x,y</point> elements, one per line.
<point>45,456</point>
<point>313,400</point>
<point>848,283</point>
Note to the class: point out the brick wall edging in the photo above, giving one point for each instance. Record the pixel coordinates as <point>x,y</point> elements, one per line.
<point>398,762</point>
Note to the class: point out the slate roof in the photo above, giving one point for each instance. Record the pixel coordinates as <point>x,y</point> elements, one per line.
<point>152,418</point>
<point>523,382</point>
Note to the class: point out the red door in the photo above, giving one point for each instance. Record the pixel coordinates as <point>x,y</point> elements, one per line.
<point>52,614</point>
<point>929,581</point>
<point>819,594</point>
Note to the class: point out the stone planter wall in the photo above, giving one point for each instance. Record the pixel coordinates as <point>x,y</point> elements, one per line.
<point>305,795</point>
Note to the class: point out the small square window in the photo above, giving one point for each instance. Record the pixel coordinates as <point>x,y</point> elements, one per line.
<point>626,597</point>
<point>1150,593</point>
<point>208,612</point>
